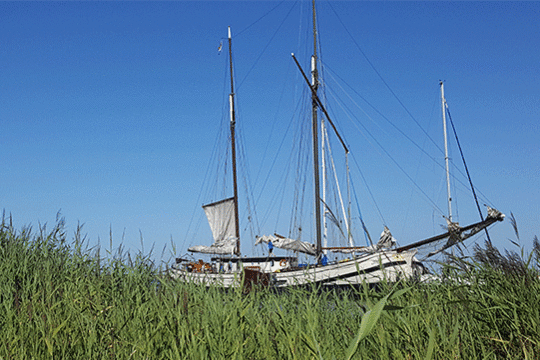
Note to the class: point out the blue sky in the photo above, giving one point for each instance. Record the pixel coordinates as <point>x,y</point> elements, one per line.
<point>110,111</point>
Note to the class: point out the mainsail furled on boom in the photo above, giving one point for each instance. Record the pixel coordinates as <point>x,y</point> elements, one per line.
<point>288,244</point>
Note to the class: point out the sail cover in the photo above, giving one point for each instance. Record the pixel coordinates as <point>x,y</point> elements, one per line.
<point>220,216</point>
<point>288,244</point>
<point>386,241</point>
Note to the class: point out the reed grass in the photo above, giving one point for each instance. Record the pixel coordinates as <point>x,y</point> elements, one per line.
<point>61,299</point>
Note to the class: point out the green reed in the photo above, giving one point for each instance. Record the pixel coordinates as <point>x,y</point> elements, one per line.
<point>61,299</point>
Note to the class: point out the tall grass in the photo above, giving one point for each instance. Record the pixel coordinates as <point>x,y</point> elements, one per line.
<point>61,299</point>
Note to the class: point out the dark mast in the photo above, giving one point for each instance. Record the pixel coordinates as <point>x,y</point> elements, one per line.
<point>233,150</point>
<point>315,132</point>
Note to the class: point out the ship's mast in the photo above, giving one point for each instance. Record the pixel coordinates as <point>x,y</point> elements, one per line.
<point>443,104</point>
<point>314,123</point>
<point>316,104</point>
<point>233,150</point>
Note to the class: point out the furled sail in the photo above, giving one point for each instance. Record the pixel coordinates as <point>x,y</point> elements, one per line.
<point>288,244</point>
<point>386,241</point>
<point>220,216</point>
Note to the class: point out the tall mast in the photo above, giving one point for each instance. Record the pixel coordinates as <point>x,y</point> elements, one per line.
<point>314,123</point>
<point>233,150</point>
<point>324,138</point>
<point>443,104</point>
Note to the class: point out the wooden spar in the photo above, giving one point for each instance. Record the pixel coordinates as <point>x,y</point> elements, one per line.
<point>315,137</point>
<point>233,150</point>
<point>475,228</point>
<point>319,103</point>
<point>344,247</point>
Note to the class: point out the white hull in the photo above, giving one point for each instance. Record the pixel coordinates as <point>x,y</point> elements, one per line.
<point>369,268</point>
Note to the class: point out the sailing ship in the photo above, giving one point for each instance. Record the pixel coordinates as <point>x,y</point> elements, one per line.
<point>365,264</point>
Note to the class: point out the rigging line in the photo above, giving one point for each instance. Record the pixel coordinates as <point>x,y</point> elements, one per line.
<point>302,155</point>
<point>296,110</point>
<point>332,217</point>
<point>271,132</point>
<point>348,112</point>
<point>265,47</point>
<point>401,169</point>
<point>388,154</point>
<point>319,55</point>
<point>300,182</point>
<point>332,74</point>
<point>416,175</point>
<point>251,210</point>
<point>280,189</point>
<point>250,214</point>
<point>323,89</point>
<point>277,155</point>
<point>485,198</point>
<point>346,109</point>
<point>206,185</point>
<point>219,159</point>
<point>259,19</point>
<point>364,227</point>
<point>369,191</point>
<point>467,170</point>
<point>210,189</point>
<point>329,155</point>
<point>382,79</point>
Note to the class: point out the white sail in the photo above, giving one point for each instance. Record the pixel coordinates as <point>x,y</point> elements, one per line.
<point>221,220</point>
<point>288,244</point>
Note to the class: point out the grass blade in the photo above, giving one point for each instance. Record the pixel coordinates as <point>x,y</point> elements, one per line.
<point>366,325</point>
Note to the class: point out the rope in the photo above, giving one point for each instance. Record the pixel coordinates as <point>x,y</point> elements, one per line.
<point>265,47</point>
<point>332,74</point>
<point>397,164</point>
<point>366,232</point>
<point>329,156</point>
<point>216,164</point>
<point>369,191</point>
<point>259,19</point>
<point>467,170</point>
<point>382,79</point>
